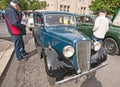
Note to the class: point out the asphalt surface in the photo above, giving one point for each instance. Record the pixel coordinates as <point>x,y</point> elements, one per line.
<point>31,73</point>
<point>6,47</point>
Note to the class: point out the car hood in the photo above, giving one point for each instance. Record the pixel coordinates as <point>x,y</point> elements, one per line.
<point>68,34</point>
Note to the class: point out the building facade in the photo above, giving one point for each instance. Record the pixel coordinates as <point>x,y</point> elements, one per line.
<point>74,6</point>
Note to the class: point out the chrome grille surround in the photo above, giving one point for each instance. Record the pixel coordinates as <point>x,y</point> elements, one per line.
<point>83,50</point>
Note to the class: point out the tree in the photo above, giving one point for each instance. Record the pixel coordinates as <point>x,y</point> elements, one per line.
<point>4,4</point>
<point>25,4</point>
<point>111,6</point>
<point>35,4</point>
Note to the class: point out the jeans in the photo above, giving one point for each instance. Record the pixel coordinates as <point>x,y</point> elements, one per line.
<point>18,46</point>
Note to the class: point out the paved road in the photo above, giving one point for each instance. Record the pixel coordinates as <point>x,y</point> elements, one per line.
<point>31,73</point>
<point>3,30</point>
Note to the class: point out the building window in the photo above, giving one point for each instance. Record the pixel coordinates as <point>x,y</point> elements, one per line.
<point>68,8</point>
<point>64,8</point>
<point>83,9</point>
<point>61,7</point>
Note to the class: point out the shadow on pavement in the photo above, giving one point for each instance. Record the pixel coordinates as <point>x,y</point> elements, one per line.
<point>31,53</point>
<point>6,38</point>
<point>91,82</point>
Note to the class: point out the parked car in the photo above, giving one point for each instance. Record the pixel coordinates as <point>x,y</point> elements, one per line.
<point>30,21</point>
<point>111,41</point>
<point>2,14</point>
<point>66,52</point>
<point>116,18</point>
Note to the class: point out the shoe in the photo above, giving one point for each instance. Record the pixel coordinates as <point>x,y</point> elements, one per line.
<point>25,56</point>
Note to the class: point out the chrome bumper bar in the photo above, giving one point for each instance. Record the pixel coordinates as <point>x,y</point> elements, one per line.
<point>80,75</point>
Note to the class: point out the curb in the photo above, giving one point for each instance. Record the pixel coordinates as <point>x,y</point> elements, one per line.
<point>5,56</point>
<point>4,61</point>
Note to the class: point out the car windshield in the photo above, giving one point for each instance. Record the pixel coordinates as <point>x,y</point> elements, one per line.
<point>60,19</point>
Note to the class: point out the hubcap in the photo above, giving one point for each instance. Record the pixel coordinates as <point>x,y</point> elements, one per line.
<point>109,46</point>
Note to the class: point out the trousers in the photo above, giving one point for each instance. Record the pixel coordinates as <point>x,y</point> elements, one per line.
<point>18,46</point>
<point>97,39</point>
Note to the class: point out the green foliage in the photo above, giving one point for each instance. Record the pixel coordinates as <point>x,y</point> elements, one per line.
<point>111,6</point>
<point>33,5</point>
<point>4,3</point>
<point>25,4</point>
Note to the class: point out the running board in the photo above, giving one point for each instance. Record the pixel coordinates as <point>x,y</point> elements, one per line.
<point>80,75</point>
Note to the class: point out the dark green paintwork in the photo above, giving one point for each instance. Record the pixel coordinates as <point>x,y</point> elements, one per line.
<point>86,28</point>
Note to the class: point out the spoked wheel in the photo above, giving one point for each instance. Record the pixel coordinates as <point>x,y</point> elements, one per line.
<point>110,46</point>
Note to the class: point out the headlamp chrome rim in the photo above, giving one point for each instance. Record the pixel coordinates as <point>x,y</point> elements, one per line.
<point>68,51</point>
<point>97,45</point>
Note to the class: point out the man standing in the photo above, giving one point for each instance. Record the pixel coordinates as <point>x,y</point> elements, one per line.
<point>101,26</point>
<point>16,28</point>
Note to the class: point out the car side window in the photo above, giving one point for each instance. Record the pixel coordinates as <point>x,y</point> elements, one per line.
<point>80,19</point>
<point>88,20</point>
<point>38,19</point>
<point>84,19</point>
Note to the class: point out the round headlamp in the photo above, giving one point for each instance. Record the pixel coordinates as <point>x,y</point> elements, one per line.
<point>97,45</point>
<point>68,51</point>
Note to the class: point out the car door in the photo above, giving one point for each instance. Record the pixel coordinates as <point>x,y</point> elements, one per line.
<point>39,29</point>
<point>85,25</point>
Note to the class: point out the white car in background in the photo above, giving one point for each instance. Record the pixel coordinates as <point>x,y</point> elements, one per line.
<point>30,22</point>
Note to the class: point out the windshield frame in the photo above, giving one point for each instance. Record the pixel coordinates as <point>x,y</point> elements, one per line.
<point>60,15</point>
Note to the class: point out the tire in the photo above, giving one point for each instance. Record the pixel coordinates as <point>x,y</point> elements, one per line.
<point>110,46</point>
<point>51,79</point>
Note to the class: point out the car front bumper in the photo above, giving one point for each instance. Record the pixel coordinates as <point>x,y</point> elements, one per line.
<point>82,74</point>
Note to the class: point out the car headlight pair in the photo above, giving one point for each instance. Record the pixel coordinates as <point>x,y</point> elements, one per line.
<point>97,45</point>
<point>68,51</point>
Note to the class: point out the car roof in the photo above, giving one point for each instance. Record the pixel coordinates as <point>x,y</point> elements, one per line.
<point>89,15</point>
<point>50,12</point>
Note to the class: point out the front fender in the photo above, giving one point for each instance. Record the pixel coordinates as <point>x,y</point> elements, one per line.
<point>98,57</point>
<point>56,65</point>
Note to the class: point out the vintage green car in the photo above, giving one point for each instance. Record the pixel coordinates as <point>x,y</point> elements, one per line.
<point>111,42</point>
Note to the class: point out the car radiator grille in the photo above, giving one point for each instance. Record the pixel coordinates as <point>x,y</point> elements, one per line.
<point>83,55</point>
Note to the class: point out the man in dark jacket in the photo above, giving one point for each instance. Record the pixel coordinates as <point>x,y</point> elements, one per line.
<point>16,28</point>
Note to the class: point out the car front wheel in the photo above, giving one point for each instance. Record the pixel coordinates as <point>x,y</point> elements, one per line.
<point>110,46</point>
<point>51,79</point>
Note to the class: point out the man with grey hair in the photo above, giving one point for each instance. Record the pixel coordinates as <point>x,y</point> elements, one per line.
<point>101,26</point>
<point>16,28</point>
